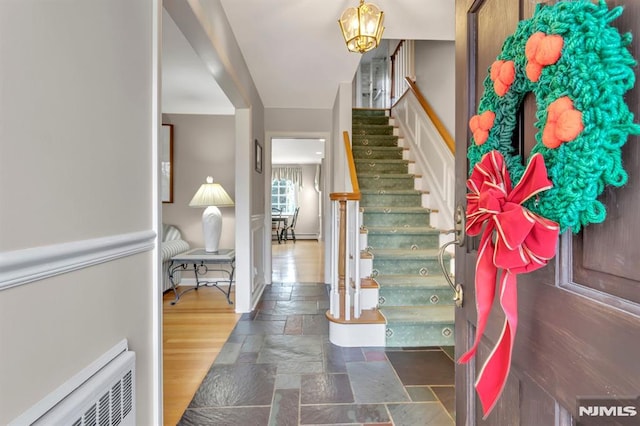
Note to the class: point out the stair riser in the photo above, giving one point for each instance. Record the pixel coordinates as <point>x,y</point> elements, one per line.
<point>386,183</point>
<point>396,219</point>
<point>368,166</point>
<point>397,200</point>
<point>399,265</point>
<point>401,335</point>
<point>370,120</point>
<point>368,113</point>
<point>371,130</point>
<point>386,141</point>
<point>368,153</point>
<point>403,241</point>
<point>412,296</point>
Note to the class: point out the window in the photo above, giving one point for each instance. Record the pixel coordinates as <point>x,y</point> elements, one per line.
<point>283,195</point>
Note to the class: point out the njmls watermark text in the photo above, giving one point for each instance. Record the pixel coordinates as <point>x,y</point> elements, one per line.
<point>601,411</point>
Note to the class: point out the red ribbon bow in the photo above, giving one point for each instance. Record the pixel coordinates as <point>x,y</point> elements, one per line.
<point>524,242</point>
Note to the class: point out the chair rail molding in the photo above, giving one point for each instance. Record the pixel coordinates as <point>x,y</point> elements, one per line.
<point>24,266</point>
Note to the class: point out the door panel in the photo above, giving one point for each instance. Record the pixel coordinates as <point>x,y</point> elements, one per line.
<point>494,20</point>
<point>602,259</point>
<point>579,317</point>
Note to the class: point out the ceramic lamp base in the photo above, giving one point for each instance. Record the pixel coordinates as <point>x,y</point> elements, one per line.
<point>212,228</point>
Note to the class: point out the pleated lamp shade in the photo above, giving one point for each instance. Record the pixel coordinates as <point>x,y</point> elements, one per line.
<point>211,194</point>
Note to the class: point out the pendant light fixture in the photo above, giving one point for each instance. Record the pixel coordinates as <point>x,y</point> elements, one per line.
<point>362,27</point>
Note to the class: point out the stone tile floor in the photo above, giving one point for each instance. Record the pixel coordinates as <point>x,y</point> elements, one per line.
<point>279,368</point>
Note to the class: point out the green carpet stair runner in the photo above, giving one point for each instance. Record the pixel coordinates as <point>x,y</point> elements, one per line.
<point>414,296</point>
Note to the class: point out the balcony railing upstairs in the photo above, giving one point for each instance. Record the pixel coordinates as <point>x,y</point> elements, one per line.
<point>402,65</point>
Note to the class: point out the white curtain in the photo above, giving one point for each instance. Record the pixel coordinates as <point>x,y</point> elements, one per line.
<point>317,180</point>
<point>294,174</point>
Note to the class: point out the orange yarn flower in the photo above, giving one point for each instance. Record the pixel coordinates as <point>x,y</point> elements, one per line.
<point>502,74</point>
<point>564,123</point>
<point>542,50</point>
<point>480,126</point>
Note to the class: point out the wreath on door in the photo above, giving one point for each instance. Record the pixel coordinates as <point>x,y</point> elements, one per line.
<point>578,67</point>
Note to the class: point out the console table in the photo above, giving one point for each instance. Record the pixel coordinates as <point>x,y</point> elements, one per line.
<point>196,260</point>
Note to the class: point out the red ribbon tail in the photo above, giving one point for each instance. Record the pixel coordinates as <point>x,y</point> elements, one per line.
<point>486,274</point>
<point>494,373</point>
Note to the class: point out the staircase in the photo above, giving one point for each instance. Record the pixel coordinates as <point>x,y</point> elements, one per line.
<point>413,294</point>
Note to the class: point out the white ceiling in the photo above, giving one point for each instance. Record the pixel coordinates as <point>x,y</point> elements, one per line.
<point>293,49</point>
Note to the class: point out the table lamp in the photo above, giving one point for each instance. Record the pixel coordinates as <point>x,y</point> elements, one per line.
<point>211,195</point>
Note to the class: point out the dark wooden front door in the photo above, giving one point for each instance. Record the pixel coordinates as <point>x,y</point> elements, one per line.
<point>579,317</point>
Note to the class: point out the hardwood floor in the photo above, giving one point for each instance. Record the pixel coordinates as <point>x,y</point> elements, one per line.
<point>298,263</point>
<point>196,328</point>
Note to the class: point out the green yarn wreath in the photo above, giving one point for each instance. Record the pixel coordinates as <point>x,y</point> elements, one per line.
<point>579,68</point>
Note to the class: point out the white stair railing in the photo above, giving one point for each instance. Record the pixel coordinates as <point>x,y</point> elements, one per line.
<point>345,252</point>
<point>402,65</point>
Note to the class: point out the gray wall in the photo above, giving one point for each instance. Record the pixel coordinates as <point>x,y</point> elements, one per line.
<point>203,145</point>
<point>435,65</point>
<point>76,165</point>
<point>286,121</point>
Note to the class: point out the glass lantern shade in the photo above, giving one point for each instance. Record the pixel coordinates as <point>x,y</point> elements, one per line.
<point>362,27</point>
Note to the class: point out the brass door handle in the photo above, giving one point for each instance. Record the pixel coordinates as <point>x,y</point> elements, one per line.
<point>458,240</point>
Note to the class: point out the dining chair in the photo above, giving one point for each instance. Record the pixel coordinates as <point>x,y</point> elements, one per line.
<point>291,227</point>
<point>276,224</point>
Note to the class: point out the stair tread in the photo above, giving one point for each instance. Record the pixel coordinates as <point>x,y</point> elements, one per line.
<point>402,230</point>
<point>382,160</point>
<point>374,136</point>
<point>357,112</point>
<point>394,209</point>
<point>390,191</point>
<point>406,253</point>
<point>436,314</point>
<point>377,147</point>
<point>364,125</point>
<point>386,175</point>
<point>426,282</point>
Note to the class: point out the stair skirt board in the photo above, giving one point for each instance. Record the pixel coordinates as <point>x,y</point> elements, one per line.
<point>413,295</point>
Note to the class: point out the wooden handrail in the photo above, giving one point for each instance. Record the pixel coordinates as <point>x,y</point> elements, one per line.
<point>348,196</point>
<point>448,140</point>
<point>395,52</point>
<point>351,163</point>
<point>344,196</point>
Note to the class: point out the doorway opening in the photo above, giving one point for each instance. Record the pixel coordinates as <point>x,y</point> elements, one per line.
<point>296,188</point>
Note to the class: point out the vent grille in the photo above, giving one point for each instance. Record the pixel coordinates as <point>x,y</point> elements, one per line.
<point>89,418</point>
<point>103,410</point>
<point>105,399</point>
<point>127,394</point>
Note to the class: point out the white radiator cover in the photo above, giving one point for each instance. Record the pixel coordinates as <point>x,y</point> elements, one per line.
<point>106,398</point>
